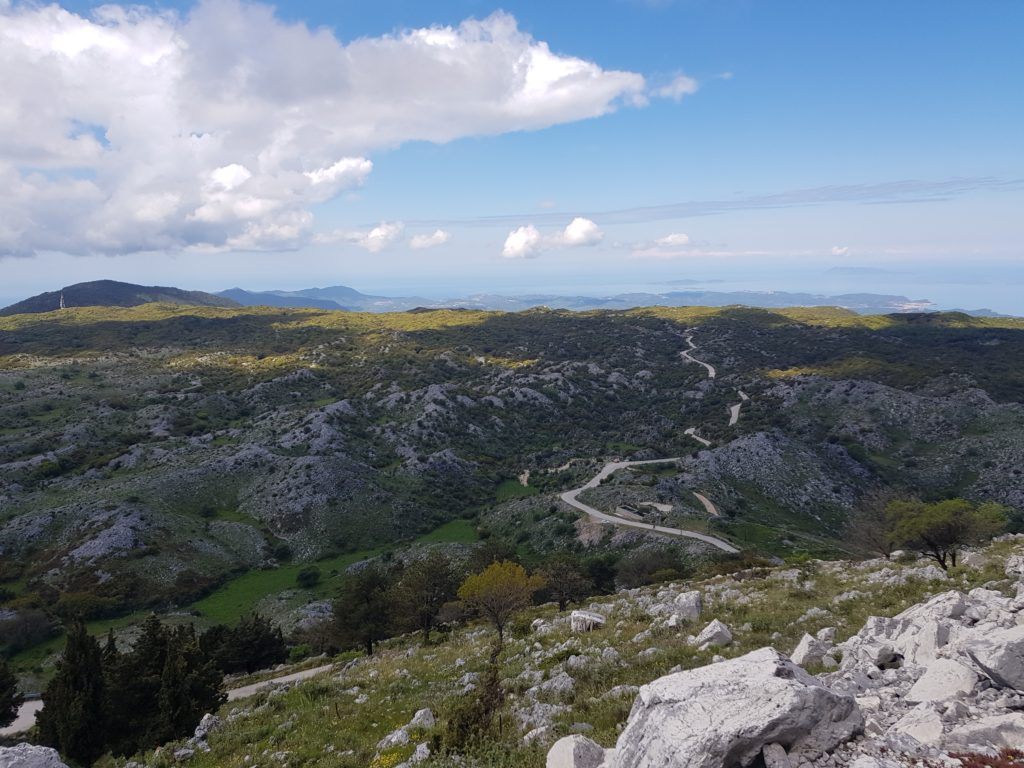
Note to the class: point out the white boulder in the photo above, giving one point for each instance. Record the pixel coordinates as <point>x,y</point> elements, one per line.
<point>688,606</point>
<point>810,650</point>
<point>423,719</point>
<point>575,752</point>
<point>942,680</point>
<point>715,633</point>
<point>726,713</point>
<point>921,723</point>
<point>1015,567</point>
<point>585,621</point>
<point>29,756</point>
<point>993,732</point>
<point>998,654</point>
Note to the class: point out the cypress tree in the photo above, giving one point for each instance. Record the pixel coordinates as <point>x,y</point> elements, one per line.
<point>73,719</point>
<point>10,697</point>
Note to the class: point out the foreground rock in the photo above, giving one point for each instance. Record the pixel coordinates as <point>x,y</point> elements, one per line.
<point>29,756</point>
<point>575,752</point>
<point>725,714</point>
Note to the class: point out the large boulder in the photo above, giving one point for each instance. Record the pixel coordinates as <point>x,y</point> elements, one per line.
<point>29,756</point>
<point>993,732</point>
<point>585,621</point>
<point>726,713</point>
<point>575,752</point>
<point>810,650</point>
<point>943,679</point>
<point>997,654</point>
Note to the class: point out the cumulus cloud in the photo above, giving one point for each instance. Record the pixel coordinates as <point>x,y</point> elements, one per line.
<point>580,231</point>
<point>527,242</point>
<point>840,250</point>
<point>522,243</point>
<point>435,238</point>
<point>374,240</point>
<point>139,129</point>
<point>678,87</point>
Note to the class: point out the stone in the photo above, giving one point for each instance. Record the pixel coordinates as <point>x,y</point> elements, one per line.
<point>420,754</point>
<point>826,635</point>
<point>423,719</point>
<point>206,726</point>
<point>537,734</point>
<point>1014,567</point>
<point>993,732</point>
<point>585,621</point>
<point>775,756</point>
<point>922,723</point>
<point>688,606</point>
<point>575,752</point>
<point>999,655</point>
<point>715,633</point>
<point>397,738</point>
<point>725,714</point>
<point>29,756</point>
<point>810,650</point>
<point>866,761</point>
<point>943,679</point>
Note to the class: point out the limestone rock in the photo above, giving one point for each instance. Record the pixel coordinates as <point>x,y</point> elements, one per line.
<point>942,680</point>
<point>998,654</point>
<point>575,752</point>
<point>994,732</point>
<point>585,621</point>
<point>775,756</point>
<point>688,606</point>
<point>922,723</point>
<point>29,756</point>
<point>1015,567</point>
<point>726,713</point>
<point>810,650</point>
<point>423,718</point>
<point>715,633</point>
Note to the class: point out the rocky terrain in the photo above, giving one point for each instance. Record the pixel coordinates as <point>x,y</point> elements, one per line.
<point>875,664</point>
<point>151,455</point>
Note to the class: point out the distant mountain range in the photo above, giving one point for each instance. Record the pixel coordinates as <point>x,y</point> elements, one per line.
<point>343,297</point>
<point>340,297</point>
<point>110,293</point>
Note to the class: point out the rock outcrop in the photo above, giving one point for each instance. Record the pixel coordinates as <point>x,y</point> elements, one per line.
<point>29,756</point>
<point>726,713</point>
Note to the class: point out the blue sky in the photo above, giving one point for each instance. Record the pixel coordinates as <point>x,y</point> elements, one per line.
<point>802,136</point>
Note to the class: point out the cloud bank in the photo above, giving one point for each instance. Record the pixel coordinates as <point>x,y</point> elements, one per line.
<point>137,129</point>
<point>434,239</point>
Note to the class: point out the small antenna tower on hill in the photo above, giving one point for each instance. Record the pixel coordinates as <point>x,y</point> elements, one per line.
<point>62,300</point>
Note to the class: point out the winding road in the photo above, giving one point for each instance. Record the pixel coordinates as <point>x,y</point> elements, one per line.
<point>569,497</point>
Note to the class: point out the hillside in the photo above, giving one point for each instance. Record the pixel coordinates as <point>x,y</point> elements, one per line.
<point>167,456</point>
<point>110,293</point>
<point>618,684</point>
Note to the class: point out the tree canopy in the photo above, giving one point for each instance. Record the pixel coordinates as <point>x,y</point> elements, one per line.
<point>940,529</point>
<point>498,591</point>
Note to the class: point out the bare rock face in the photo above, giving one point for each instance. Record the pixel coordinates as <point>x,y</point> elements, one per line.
<point>725,714</point>
<point>942,680</point>
<point>998,654</point>
<point>29,756</point>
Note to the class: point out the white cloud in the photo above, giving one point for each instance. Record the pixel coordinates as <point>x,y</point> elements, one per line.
<point>522,243</point>
<point>138,129</point>
<point>437,237</point>
<point>374,240</point>
<point>840,250</point>
<point>678,87</point>
<point>580,231</point>
<point>527,242</point>
<point>675,240</point>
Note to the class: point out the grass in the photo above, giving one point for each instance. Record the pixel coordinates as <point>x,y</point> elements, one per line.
<point>319,724</point>
<point>455,532</point>
<point>513,489</point>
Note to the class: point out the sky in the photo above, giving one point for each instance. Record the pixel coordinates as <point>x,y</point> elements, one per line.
<point>457,147</point>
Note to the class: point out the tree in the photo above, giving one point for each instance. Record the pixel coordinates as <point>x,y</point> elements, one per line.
<point>871,527</point>
<point>362,612</point>
<point>10,696</point>
<point>566,582</point>
<point>425,587</point>
<point>498,592</point>
<point>255,643</point>
<point>938,530</point>
<point>190,686</point>
<point>73,719</point>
